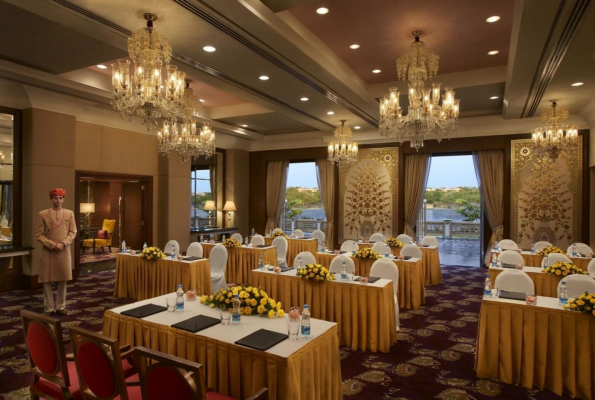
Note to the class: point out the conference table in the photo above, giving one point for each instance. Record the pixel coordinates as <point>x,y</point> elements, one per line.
<point>364,313</point>
<point>296,246</point>
<point>534,260</point>
<point>139,279</point>
<point>411,293</point>
<point>303,369</point>
<point>541,346</point>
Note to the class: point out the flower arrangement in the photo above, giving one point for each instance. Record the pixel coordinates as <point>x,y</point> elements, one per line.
<point>253,301</point>
<point>152,253</point>
<point>279,233</point>
<point>231,242</point>
<point>585,303</point>
<point>367,253</point>
<point>563,268</point>
<point>315,272</point>
<point>550,250</point>
<point>393,242</point>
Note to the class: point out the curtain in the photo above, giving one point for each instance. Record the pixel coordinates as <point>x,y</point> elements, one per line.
<point>275,191</point>
<point>325,172</point>
<point>417,168</point>
<point>489,168</point>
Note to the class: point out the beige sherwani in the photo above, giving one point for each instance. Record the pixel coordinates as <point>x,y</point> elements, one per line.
<point>53,228</point>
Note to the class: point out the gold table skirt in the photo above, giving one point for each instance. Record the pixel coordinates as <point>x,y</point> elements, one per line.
<point>242,260</point>
<point>537,347</point>
<point>313,372</point>
<point>365,314</point>
<point>411,292</point>
<point>295,247</point>
<point>141,279</point>
<point>534,260</point>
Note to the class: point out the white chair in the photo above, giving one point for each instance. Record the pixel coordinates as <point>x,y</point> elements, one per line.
<point>405,239</point>
<point>281,244</point>
<point>554,258</point>
<point>377,237</point>
<point>380,248</point>
<point>277,230</point>
<point>541,245</point>
<point>307,258</point>
<point>319,235</point>
<point>237,237</point>
<point>388,270</point>
<point>194,250</point>
<point>514,280</point>
<point>337,264</point>
<point>258,240</point>
<point>348,246</point>
<point>577,285</point>
<point>580,248</point>
<point>298,233</point>
<point>591,266</point>
<point>507,244</point>
<point>411,250</point>
<point>167,248</point>
<point>218,261</point>
<point>511,257</point>
<point>430,240</point>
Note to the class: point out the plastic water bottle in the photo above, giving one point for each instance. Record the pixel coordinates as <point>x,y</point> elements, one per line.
<point>547,261</point>
<point>299,262</point>
<point>180,299</point>
<point>410,240</point>
<point>386,251</point>
<point>322,246</point>
<point>306,322</point>
<point>236,315</point>
<point>202,238</point>
<point>145,246</point>
<point>494,260</point>
<point>343,272</point>
<point>357,237</point>
<point>533,247</point>
<point>563,295</point>
<point>354,249</point>
<point>487,288</point>
<point>123,246</point>
<point>574,254</point>
<point>173,251</point>
<point>223,238</point>
<point>496,248</point>
<point>246,241</point>
<point>260,261</point>
<point>253,232</point>
<point>270,232</point>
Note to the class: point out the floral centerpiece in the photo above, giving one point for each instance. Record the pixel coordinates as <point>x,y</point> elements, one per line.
<point>278,233</point>
<point>253,301</point>
<point>367,253</point>
<point>231,242</point>
<point>393,242</point>
<point>585,303</point>
<point>550,250</point>
<point>152,253</point>
<point>563,268</point>
<point>315,272</point>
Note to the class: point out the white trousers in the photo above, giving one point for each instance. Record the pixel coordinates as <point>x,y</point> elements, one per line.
<point>48,297</point>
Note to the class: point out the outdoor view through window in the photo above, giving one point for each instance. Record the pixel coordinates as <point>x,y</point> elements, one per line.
<point>302,197</point>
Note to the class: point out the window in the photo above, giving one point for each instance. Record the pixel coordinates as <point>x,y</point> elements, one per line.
<point>200,189</point>
<point>303,206</point>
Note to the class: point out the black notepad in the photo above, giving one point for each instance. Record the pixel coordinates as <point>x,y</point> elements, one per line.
<point>504,265</point>
<point>371,241</point>
<point>262,339</point>
<point>197,323</point>
<point>262,246</point>
<point>407,257</point>
<point>371,279</point>
<point>144,311</point>
<point>194,258</point>
<point>505,294</point>
<point>425,245</point>
<point>342,252</point>
<point>283,269</point>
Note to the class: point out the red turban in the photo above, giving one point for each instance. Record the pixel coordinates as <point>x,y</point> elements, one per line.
<point>57,192</point>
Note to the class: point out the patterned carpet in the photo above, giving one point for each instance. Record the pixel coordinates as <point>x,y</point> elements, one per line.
<point>99,256</point>
<point>433,358</point>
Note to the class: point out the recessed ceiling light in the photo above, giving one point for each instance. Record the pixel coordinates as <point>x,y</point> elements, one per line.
<point>493,18</point>
<point>494,97</point>
<point>304,99</point>
<point>209,49</point>
<point>577,84</point>
<point>330,113</point>
<point>376,71</point>
<point>354,46</point>
<point>202,101</point>
<point>322,10</point>
<point>493,52</point>
<point>357,127</point>
<point>244,126</point>
<point>263,78</point>
<point>101,66</point>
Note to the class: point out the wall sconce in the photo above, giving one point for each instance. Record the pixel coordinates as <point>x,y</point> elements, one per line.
<point>87,209</point>
<point>229,207</point>
<point>210,207</point>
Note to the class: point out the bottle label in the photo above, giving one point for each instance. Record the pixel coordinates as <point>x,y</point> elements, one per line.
<point>487,292</point>
<point>180,306</point>
<point>236,318</point>
<point>563,301</point>
<point>306,330</point>
<point>343,277</point>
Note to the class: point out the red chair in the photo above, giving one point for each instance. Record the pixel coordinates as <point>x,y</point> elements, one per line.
<point>168,377</point>
<point>99,364</point>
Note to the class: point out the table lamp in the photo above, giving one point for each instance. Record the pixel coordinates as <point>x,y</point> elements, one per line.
<point>87,208</point>
<point>210,207</point>
<point>229,207</point>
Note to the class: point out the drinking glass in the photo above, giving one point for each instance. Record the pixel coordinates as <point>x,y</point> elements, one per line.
<point>171,303</point>
<point>530,299</point>
<point>363,280</point>
<point>293,329</point>
<point>129,250</point>
<point>225,316</point>
<point>349,277</point>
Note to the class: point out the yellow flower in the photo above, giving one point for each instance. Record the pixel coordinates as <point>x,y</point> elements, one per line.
<point>592,301</point>
<point>212,305</point>
<point>271,314</point>
<point>580,302</point>
<point>229,295</point>
<point>278,305</point>
<point>311,275</point>
<point>253,302</point>
<point>558,272</point>
<point>280,313</point>
<point>263,301</point>
<point>315,270</point>
<point>242,311</point>
<point>260,309</point>
<point>248,310</point>
<point>582,296</point>
<point>573,306</point>
<point>593,312</point>
<point>227,301</point>
<point>256,294</point>
<point>273,303</point>
<point>203,299</point>
<point>566,306</point>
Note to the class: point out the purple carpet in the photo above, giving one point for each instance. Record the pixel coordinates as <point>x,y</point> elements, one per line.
<point>433,358</point>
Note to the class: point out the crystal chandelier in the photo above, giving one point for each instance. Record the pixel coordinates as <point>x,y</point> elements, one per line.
<point>554,137</point>
<point>425,114</point>
<point>143,92</point>
<point>342,149</point>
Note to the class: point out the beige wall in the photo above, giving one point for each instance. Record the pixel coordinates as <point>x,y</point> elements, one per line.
<point>174,202</point>
<point>237,176</point>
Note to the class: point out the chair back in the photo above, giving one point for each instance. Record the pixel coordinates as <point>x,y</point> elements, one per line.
<point>237,237</point>
<point>591,266</point>
<point>257,240</point>
<point>318,235</point>
<point>194,250</point>
<point>580,248</point>
<point>298,233</point>
<point>337,264</point>
<point>348,246</point>
<point>109,225</point>
<point>5,231</point>
<point>430,240</point>
<point>511,257</point>
<point>377,237</point>
<point>577,285</point>
<point>507,244</point>
<point>218,259</point>
<point>386,269</point>
<point>514,280</point>
<point>167,248</point>
<point>411,250</point>
<point>307,258</point>
<point>554,258</point>
<point>541,245</point>
<point>98,365</point>
<point>277,230</point>
<point>281,245</point>
<point>403,238</point>
<point>380,248</point>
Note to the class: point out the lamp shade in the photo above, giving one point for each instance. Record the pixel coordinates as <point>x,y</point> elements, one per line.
<point>209,205</point>
<point>229,206</point>
<point>87,207</point>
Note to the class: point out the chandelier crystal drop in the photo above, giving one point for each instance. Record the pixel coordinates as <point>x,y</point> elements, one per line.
<point>343,150</point>
<point>138,87</point>
<point>554,137</point>
<point>429,112</point>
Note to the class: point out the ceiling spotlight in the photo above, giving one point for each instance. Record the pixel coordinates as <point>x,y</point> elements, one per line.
<point>322,11</point>
<point>330,113</point>
<point>202,101</point>
<point>376,71</point>
<point>493,52</point>
<point>101,66</point>
<point>354,46</point>
<point>494,97</point>
<point>493,19</point>
<point>577,84</point>
<point>263,78</point>
<point>244,126</point>
<point>304,99</point>
<point>209,49</point>
<point>357,127</point>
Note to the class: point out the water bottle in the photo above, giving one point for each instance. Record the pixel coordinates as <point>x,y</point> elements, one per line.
<point>343,272</point>
<point>173,251</point>
<point>236,315</point>
<point>533,247</point>
<point>223,238</point>
<point>410,241</point>
<point>306,322</point>
<point>322,246</point>
<point>354,249</point>
<point>202,239</point>
<point>180,299</point>
<point>145,246</point>
<point>574,250</point>
<point>563,295</point>
<point>487,288</point>
<point>357,237</point>
<point>386,251</point>
<point>299,262</point>
<point>496,246</point>
<point>246,241</point>
<point>547,261</point>
<point>253,232</point>
<point>260,261</point>
<point>494,260</point>
<point>123,246</point>
<point>270,232</point>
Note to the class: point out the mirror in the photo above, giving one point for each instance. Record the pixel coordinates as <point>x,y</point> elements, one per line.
<point>6,177</point>
<point>206,191</point>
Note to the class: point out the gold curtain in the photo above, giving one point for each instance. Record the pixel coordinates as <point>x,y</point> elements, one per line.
<point>213,183</point>
<point>417,167</point>
<point>326,185</point>
<point>489,168</point>
<point>275,191</point>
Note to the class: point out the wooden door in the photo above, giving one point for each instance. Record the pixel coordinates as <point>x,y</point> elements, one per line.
<point>132,214</point>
